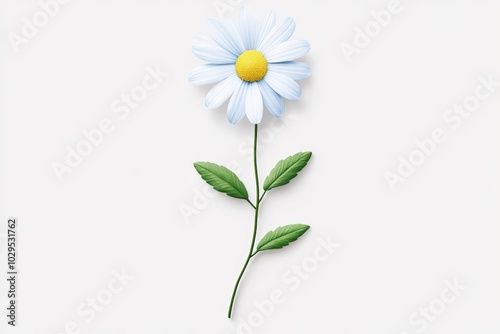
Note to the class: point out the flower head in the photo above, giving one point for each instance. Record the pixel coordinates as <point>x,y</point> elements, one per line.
<point>252,62</point>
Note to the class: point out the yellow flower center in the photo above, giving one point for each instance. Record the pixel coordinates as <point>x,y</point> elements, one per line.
<point>251,66</point>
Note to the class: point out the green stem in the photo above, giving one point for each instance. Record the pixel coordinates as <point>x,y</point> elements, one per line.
<point>256,218</point>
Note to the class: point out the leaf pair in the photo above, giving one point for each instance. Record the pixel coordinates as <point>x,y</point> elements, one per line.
<point>224,180</point>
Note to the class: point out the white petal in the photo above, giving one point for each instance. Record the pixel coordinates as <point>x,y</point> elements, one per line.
<point>207,50</point>
<point>293,69</point>
<point>221,92</point>
<point>273,101</point>
<point>287,51</point>
<point>236,107</point>
<point>280,33</point>
<point>253,104</point>
<point>209,74</point>
<point>233,26</point>
<point>247,28</point>
<point>266,24</point>
<point>226,34</point>
<point>283,85</point>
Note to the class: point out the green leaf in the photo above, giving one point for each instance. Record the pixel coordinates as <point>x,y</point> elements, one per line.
<point>281,237</point>
<point>222,179</point>
<point>286,170</point>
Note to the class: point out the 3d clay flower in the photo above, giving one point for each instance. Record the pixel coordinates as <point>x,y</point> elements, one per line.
<point>252,62</point>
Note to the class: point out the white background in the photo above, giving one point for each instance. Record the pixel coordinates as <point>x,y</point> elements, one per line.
<point>120,208</point>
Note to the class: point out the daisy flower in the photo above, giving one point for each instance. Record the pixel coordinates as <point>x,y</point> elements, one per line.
<point>251,60</point>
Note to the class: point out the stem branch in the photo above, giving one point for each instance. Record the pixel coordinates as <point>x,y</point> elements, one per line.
<point>262,197</point>
<point>250,202</point>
